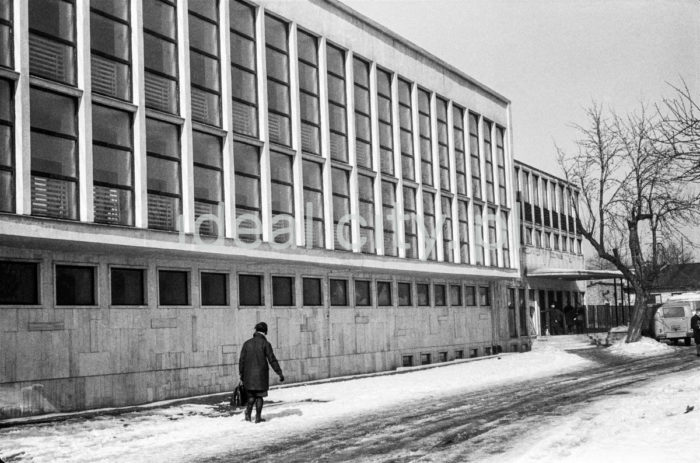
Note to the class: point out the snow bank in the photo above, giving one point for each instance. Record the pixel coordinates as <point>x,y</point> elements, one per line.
<point>646,347</point>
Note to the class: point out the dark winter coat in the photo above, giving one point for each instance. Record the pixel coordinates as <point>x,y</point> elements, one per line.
<point>252,365</point>
<point>695,326</point>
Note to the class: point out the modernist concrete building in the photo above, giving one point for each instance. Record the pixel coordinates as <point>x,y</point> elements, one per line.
<point>174,171</point>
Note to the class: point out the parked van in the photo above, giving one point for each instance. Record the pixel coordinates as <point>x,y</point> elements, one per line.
<point>672,319</point>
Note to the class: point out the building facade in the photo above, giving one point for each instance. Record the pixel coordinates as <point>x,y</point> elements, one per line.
<point>174,171</point>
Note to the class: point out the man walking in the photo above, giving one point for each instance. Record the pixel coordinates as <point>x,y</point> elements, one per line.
<point>695,325</point>
<point>254,372</point>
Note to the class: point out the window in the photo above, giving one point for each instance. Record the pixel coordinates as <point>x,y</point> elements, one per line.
<point>429,224</point>
<point>442,356</point>
<point>363,131</point>
<point>110,43</point>
<point>365,185</point>
<point>501,162</point>
<point>20,283</point>
<point>278,94</point>
<point>250,290</point>
<point>208,181</point>
<point>456,295</point>
<point>75,285</point>
<point>282,291</point>
<point>243,69</point>
<point>473,353</point>
<point>426,153</point>
<point>128,286</point>
<point>443,150</point>
<point>363,293</point>
<point>447,246</point>
<point>389,218</point>
<point>484,299</point>
<point>339,292</point>
<point>406,130</point>
<point>459,354</point>
<point>113,166</point>
<point>160,55</point>
<point>341,209</point>
<point>440,295</point>
<point>214,288</point>
<point>538,238</point>
<point>6,48</point>
<point>313,203</point>
<point>385,117</point>
<point>282,185</point>
<point>547,240</point>
<point>555,239</point>
<point>337,106</point>
<point>424,359</point>
<point>493,239</point>
<point>383,293</point>
<point>474,154</point>
<point>423,291</point>
<point>512,326</point>
<point>479,234</point>
<point>52,45</point>
<point>307,46</point>
<point>463,214</point>
<point>410,222</point>
<point>460,156</point>
<point>204,61</point>
<point>7,142</point>
<point>407,360</point>
<point>405,298</point>
<point>54,145</point>
<point>470,296</point>
<point>313,295</point>
<point>246,161</point>
<point>164,184</point>
<point>173,287</point>
<point>488,162</point>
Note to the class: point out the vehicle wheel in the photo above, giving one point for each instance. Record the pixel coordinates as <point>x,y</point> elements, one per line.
<point>687,341</point>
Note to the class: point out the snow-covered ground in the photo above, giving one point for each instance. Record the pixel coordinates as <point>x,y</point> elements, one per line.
<point>650,420</point>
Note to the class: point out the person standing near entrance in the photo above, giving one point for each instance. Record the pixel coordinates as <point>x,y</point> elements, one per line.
<point>695,325</point>
<point>253,369</point>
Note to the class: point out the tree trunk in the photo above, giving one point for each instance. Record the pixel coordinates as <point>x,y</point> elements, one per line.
<point>634,330</point>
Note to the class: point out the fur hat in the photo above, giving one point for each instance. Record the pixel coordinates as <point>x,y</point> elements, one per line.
<point>262,327</point>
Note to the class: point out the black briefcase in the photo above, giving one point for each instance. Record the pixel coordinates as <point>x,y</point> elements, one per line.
<point>239,397</point>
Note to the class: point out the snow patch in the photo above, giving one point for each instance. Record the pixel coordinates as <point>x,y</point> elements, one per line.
<point>645,347</point>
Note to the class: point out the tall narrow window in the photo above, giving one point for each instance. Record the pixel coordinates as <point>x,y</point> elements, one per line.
<point>278,95</point>
<point>365,185</point>
<point>246,162</point>
<point>501,162</point>
<point>429,225</point>
<point>460,161</point>
<point>426,145</point>
<point>463,214</point>
<point>113,166</point>
<point>384,115</point>
<point>488,162</point>
<point>443,150</point>
<point>505,241</point>
<point>204,61</point>
<point>307,46</point>
<point>7,129</point>
<point>243,69</point>
<point>410,222</point>
<point>493,243</point>
<point>6,48</point>
<point>110,43</point>
<point>406,124</point>
<point>164,185</point>
<point>337,106</point>
<point>52,40</point>
<point>282,184</point>
<point>474,155</point>
<point>448,253</point>
<point>54,142</point>
<point>389,215</point>
<point>479,234</point>
<point>363,131</point>
<point>160,54</point>
<point>313,204</point>
<point>208,180</point>
<point>341,209</point>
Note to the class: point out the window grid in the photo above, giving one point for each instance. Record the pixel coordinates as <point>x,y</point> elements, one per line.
<point>110,53</point>
<point>488,162</point>
<point>341,208</point>
<point>204,62</point>
<point>363,124</point>
<point>365,186</point>
<point>6,33</point>
<point>429,224</point>
<point>160,50</point>
<point>309,100</point>
<point>7,143</point>
<point>282,187</point>
<point>243,68</point>
<point>52,53</point>
<point>443,149</point>
<point>493,240</point>
<point>447,246</point>
<point>460,159</point>
<point>389,217</point>
<point>246,162</point>
<point>474,155</point>
<point>426,150</point>
<point>208,180</point>
<point>501,162</point>
<point>463,215</point>
<point>278,88</point>
<point>505,239</point>
<point>386,124</point>
<point>313,203</point>
<point>410,226</point>
<point>406,130</point>
<point>337,105</point>
<point>164,174</point>
<point>479,244</point>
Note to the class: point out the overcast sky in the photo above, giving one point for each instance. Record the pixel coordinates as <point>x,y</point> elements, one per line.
<point>551,58</point>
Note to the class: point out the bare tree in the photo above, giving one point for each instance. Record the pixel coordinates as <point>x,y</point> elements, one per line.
<point>633,192</point>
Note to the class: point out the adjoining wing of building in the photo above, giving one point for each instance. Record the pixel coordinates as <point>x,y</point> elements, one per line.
<point>171,174</point>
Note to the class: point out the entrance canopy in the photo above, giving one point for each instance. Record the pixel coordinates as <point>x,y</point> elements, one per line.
<point>573,275</point>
